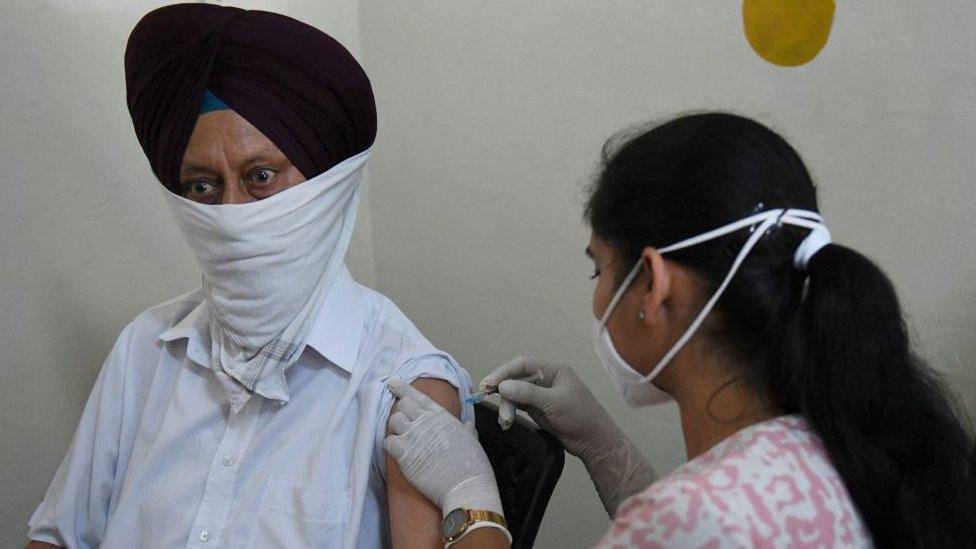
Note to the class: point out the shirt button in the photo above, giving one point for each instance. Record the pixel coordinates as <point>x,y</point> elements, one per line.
<point>204,536</point>
<point>228,460</point>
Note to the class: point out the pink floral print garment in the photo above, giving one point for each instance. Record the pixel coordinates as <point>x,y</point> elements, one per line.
<point>769,485</point>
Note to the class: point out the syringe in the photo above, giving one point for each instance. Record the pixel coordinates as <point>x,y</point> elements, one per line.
<point>506,408</point>
<point>475,398</point>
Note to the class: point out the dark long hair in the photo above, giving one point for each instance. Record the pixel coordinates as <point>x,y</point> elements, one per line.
<point>833,348</point>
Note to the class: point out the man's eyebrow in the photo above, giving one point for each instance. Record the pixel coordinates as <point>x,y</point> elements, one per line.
<point>186,167</point>
<point>259,158</point>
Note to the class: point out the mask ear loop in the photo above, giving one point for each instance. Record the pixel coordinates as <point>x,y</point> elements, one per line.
<point>768,219</point>
<point>750,221</point>
<point>759,224</point>
<point>620,292</point>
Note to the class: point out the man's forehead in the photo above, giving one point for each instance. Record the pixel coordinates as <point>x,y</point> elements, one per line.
<point>226,136</point>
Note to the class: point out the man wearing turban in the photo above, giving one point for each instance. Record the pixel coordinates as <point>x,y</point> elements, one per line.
<point>250,413</point>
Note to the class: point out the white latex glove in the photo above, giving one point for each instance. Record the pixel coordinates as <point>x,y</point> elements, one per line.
<point>561,404</point>
<point>439,455</point>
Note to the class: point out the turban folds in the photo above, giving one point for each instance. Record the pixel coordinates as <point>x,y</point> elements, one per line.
<point>297,85</point>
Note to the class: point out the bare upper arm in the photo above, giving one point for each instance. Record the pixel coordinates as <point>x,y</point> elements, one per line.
<point>440,392</point>
<point>415,521</point>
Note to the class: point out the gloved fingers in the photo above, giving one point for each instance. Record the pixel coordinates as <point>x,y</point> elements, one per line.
<point>399,423</point>
<point>412,402</point>
<point>519,367</point>
<point>506,414</point>
<point>410,407</point>
<point>408,392</point>
<point>396,446</point>
<point>401,389</point>
<point>523,392</point>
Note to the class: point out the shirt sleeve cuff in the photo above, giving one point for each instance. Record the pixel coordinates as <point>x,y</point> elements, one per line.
<point>434,366</point>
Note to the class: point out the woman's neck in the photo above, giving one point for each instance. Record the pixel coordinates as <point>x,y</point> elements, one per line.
<point>712,411</point>
<point>701,432</point>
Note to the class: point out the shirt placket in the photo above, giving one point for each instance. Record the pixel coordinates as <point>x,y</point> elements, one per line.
<point>218,493</point>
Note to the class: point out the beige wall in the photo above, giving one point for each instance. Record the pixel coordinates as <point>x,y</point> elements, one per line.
<point>86,241</point>
<point>491,117</point>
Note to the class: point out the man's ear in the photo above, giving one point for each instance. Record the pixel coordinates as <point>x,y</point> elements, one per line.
<point>659,289</point>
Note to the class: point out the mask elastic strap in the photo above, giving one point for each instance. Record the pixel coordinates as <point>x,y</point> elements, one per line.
<point>805,218</point>
<point>760,223</point>
<point>756,235</point>
<point>620,292</point>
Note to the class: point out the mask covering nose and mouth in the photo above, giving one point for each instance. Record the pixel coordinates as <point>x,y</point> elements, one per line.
<point>267,268</point>
<point>638,389</point>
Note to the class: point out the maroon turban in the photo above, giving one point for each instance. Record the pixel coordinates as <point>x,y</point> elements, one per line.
<point>293,82</point>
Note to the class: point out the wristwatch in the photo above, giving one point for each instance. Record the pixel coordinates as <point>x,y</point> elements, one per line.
<point>460,521</point>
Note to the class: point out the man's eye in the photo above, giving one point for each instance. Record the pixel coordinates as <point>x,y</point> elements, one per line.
<point>199,188</point>
<point>262,176</point>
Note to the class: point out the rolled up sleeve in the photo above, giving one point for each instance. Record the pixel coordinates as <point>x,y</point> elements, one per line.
<point>433,366</point>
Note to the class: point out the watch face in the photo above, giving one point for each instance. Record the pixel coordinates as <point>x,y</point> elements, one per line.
<point>454,523</point>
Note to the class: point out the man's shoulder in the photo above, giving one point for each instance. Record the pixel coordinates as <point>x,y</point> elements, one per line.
<point>387,323</point>
<point>155,320</point>
<point>394,343</point>
<point>139,342</point>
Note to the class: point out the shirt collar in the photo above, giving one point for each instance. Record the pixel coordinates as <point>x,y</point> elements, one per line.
<point>338,327</point>
<point>194,327</point>
<point>335,333</point>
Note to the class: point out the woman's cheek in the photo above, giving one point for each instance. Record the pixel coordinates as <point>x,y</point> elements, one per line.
<point>600,297</point>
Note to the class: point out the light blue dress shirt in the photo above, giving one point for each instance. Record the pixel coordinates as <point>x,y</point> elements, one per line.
<point>158,459</point>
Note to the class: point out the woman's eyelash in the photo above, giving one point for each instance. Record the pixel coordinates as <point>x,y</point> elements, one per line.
<point>596,274</point>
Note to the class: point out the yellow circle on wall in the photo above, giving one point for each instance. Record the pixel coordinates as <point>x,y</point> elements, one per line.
<point>787,32</point>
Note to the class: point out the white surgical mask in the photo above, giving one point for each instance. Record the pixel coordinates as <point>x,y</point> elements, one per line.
<point>638,389</point>
<point>267,268</point>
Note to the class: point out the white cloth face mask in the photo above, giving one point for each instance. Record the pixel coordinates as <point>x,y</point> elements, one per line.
<point>638,389</point>
<point>267,268</point>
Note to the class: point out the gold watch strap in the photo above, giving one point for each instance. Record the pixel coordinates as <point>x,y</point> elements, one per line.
<point>474,516</point>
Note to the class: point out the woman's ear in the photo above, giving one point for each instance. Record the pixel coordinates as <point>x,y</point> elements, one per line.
<point>659,288</point>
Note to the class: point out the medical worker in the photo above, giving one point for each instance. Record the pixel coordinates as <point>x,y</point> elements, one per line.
<point>807,419</point>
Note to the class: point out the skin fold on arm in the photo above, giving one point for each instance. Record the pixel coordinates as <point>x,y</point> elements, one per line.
<point>414,521</point>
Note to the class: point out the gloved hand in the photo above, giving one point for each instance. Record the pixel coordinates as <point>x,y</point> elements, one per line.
<point>439,455</point>
<point>561,404</point>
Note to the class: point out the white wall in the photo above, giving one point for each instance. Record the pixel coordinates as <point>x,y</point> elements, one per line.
<point>492,115</point>
<point>85,239</point>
